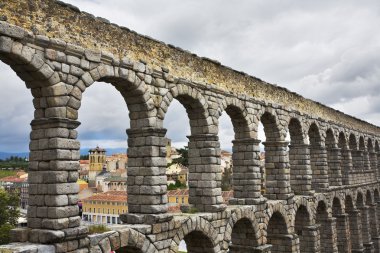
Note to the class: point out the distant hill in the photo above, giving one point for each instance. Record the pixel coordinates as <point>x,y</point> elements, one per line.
<point>5,155</point>
<point>83,151</point>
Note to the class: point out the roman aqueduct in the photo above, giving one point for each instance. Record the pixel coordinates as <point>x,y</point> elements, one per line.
<point>321,191</point>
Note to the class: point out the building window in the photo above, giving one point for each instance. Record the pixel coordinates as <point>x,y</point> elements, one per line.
<point>183,200</point>
<point>176,200</point>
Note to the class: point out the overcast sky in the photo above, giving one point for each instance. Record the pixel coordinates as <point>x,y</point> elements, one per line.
<point>328,51</point>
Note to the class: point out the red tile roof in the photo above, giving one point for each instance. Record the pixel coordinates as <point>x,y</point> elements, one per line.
<point>117,196</point>
<point>13,179</point>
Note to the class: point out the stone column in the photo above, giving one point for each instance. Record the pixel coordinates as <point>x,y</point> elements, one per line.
<point>328,235</point>
<point>147,182</point>
<point>277,170</point>
<point>374,226</point>
<point>53,213</point>
<point>300,170</point>
<point>355,231</point>
<point>373,162</point>
<point>319,167</point>
<point>205,173</point>
<point>310,239</point>
<point>343,232</point>
<point>357,158</point>
<point>246,172</point>
<point>346,166</point>
<point>366,161</point>
<point>335,173</point>
<point>367,243</point>
<point>378,165</point>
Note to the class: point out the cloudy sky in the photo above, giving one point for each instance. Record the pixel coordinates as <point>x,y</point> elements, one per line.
<point>328,51</point>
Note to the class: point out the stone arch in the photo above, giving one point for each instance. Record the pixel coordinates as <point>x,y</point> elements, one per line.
<point>360,201</point>
<point>242,231</point>
<point>318,158</point>
<point>241,122</point>
<point>369,198</point>
<point>326,231</point>
<point>271,126</point>
<point>343,235</point>
<point>123,240</point>
<point>196,107</point>
<point>199,235</point>
<point>376,195</point>
<point>204,148</point>
<point>333,159</point>
<point>280,209</point>
<point>130,86</point>
<point>357,160</point>
<point>275,147</point>
<point>28,64</point>
<point>346,158</point>
<point>277,234</point>
<point>245,172</point>
<point>302,227</point>
<point>299,159</point>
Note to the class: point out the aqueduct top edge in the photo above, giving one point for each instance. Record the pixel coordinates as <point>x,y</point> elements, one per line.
<point>56,19</point>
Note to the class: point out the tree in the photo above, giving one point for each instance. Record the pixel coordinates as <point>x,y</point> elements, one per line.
<point>9,213</point>
<point>184,157</point>
<point>226,179</point>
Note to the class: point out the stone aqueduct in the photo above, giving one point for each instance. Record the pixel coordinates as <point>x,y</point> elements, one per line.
<point>321,192</point>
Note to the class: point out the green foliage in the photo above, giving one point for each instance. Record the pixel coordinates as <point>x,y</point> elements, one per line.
<point>14,162</point>
<point>84,157</point>
<point>9,214</point>
<point>193,210</point>
<point>7,173</point>
<point>98,229</point>
<point>183,159</point>
<point>226,179</point>
<point>177,185</point>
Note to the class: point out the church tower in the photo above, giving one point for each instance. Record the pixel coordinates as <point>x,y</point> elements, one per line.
<point>97,157</point>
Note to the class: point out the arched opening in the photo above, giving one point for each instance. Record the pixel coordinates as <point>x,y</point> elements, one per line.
<point>245,156</point>
<point>365,229</point>
<point>354,224</point>
<point>356,155</point>
<point>318,159</point>
<point>16,113</point>
<point>377,154</point>
<point>346,159</point>
<point>333,159</point>
<point>342,227</point>
<point>177,155</point>
<point>302,223</point>
<point>103,145</point>
<point>204,177</point>
<point>365,156</point>
<point>277,234</point>
<point>325,230</point>
<point>373,220</point>
<point>276,169</point>
<point>198,242</point>
<point>243,237</point>
<point>299,159</point>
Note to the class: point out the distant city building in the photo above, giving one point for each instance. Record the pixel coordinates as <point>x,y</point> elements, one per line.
<point>19,184</point>
<point>97,158</point>
<point>115,183</point>
<point>105,208</point>
<point>177,172</point>
<point>116,162</point>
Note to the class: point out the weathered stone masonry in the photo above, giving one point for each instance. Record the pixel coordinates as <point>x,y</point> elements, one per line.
<point>321,191</point>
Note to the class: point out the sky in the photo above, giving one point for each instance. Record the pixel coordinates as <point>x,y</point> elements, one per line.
<point>328,51</point>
